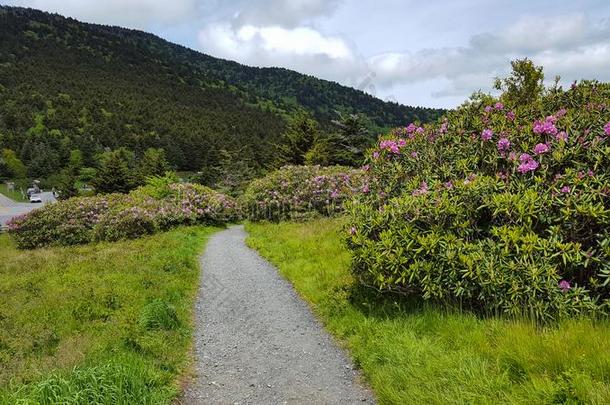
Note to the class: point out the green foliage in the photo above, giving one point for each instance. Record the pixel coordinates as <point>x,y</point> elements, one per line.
<point>300,136</point>
<point>158,206</point>
<point>114,174</point>
<point>298,192</point>
<point>412,353</point>
<point>13,164</point>
<point>152,164</point>
<point>502,208</point>
<point>68,85</point>
<point>158,314</point>
<point>524,85</point>
<point>70,319</point>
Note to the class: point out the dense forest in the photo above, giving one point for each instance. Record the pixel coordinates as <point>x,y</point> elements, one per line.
<point>68,86</point>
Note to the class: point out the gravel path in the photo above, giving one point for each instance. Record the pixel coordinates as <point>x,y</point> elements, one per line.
<point>256,341</point>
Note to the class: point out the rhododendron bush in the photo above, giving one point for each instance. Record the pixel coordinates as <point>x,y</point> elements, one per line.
<point>498,208</point>
<point>299,192</point>
<point>155,207</point>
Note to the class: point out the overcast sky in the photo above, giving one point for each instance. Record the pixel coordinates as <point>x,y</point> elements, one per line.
<point>432,53</point>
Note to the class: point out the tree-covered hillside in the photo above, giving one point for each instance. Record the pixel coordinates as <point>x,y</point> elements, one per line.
<point>67,85</point>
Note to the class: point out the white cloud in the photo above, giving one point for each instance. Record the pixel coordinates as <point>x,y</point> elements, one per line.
<point>300,48</point>
<point>571,46</point>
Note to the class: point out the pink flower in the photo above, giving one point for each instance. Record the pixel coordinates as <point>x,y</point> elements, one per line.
<point>528,164</point>
<point>607,129</point>
<point>564,285</point>
<point>443,128</point>
<point>448,185</point>
<point>487,134</point>
<point>541,148</point>
<point>545,127</point>
<point>352,230</point>
<point>365,188</point>
<point>419,130</point>
<point>375,155</point>
<point>561,112</point>
<point>499,106</point>
<point>510,115</point>
<point>366,168</point>
<point>411,128</point>
<point>562,136</point>
<point>503,145</point>
<point>488,108</point>
<point>414,155</point>
<point>565,189</point>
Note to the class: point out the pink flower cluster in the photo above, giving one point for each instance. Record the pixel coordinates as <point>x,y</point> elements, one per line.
<point>546,127</point>
<point>487,134</point>
<point>541,148</point>
<point>503,145</point>
<point>528,164</point>
<point>607,129</point>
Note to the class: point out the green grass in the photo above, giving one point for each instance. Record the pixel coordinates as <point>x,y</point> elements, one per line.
<point>415,353</point>
<point>103,323</point>
<point>14,195</point>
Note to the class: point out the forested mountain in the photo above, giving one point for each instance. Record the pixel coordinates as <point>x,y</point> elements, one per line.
<point>67,85</point>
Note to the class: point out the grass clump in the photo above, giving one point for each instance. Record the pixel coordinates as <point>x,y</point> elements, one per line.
<point>415,352</point>
<point>105,323</point>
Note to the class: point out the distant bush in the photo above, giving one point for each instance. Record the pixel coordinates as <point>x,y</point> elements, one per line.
<point>160,205</point>
<point>297,192</point>
<point>499,208</point>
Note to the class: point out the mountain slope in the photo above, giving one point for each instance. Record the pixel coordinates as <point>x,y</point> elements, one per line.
<point>70,85</point>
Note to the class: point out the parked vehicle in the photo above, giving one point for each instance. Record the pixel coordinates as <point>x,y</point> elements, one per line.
<point>35,198</point>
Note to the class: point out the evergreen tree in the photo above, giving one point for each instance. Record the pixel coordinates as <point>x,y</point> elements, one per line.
<point>113,175</point>
<point>298,139</point>
<point>152,164</point>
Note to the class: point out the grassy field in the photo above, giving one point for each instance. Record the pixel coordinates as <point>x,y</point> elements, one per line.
<point>106,323</point>
<point>15,195</point>
<point>414,353</point>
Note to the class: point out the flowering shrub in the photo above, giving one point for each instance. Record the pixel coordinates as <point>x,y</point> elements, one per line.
<point>499,208</point>
<point>144,211</point>
<point>296,192</point>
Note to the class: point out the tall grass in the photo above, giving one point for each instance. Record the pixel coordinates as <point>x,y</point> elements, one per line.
<point>106,323</point>
<point>415,353</point>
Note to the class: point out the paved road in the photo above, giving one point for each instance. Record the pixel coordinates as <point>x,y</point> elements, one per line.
<point>10,208</point>
<point>256,341</point>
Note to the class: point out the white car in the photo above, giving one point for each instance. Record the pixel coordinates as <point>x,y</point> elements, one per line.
<point>35,198</point>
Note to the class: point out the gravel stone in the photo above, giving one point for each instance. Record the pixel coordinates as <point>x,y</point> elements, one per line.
<point>257,342</point>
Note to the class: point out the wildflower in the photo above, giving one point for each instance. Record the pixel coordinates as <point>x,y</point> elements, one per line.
<point>590,173</point>
<point>352,230</point>
<point>565,189</point>
<point>564,285</point>
<point>423,189</point>
<point>411,128</point>
<point>375,155</point>
<point>561,113</point>
<point>503,145</point>
<point>528,164</point>
<point>546,127</point>
<point>510,115</point>
<point>419,130</point>
<point>499,106</point>
<point>365,188</point>
<point>607,129</point>
<point>443,128</point>
<point>414,155</point>
<point>541,148</point>
<point>562,136</point>
<point>366,168</point>
<point>487,134</point>
<point>488,109</point>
